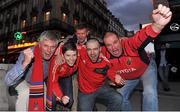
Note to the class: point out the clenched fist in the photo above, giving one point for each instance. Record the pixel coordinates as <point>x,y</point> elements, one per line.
<point>119,80</point>
<point>28,56</point>
<point>65,100</point>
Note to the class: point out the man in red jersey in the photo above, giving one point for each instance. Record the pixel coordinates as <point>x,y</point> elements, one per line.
<point>131,63</point>
<point>93,67</point>
<point>69,51</point>
<point>80,38</point>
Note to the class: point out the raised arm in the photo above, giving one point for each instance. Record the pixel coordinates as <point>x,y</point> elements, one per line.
<point>16,73</point>
<point>160,17</point>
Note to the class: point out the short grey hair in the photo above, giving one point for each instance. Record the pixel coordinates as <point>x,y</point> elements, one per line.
<point>51,35</point>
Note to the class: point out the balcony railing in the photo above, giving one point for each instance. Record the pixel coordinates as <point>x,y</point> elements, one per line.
<point>51,24</point>
<point>7,3</point>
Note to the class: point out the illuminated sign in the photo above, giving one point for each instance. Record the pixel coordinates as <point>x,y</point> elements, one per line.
<point>18,35</point>
<point>21,45</point>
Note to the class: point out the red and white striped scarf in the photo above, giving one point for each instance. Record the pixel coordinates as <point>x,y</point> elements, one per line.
<point>36,96</point>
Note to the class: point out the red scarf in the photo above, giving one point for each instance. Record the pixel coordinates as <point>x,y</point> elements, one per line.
<point>36,96</point>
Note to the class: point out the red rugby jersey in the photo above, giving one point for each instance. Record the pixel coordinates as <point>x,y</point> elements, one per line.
<point>133,61</point>
<point>63,70</point>
<point>91,76</point>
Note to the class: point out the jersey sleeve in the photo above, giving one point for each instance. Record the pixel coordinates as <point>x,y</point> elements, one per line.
<point>142,38</point>
<point>56,88</point>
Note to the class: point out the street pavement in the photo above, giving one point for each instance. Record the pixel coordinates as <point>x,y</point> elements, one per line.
<point>168,101</point>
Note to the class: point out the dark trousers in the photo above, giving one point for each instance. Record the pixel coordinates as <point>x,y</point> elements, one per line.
<point>111,98</point>
<point>67,89</point>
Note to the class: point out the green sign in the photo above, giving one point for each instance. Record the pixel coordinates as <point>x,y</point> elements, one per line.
<point>18,36</point>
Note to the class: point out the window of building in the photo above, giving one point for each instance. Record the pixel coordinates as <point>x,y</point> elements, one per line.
<point>47,16</point>
<point>23,6</point>
<point>34,20</point>
<point>1,27</point>
<point>14,19</point>
<point>34,12</point>
<point>1,22</point>
<point>1,17</point>
<point>3,2</point>
<point>35,2</point>
<point>75,21</point>
<point>7,20</point>
<point>66,1</point>
<point>23,23</point>
<point>13,27</point>
<point>6,29</point>
<point>65,11</point>
<point>23,16</point>
<point>8,15</point>
<point>64,17</point>
<point>77,7</point>
<point>76,17</point>
<point>47,6</point>
<point>46,0</point>
<point>15,10</point>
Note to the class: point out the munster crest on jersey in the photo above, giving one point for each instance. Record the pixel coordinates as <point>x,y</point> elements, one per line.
<point>128,61</point>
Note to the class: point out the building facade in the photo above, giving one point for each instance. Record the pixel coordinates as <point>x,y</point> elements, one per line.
<point>35,16</point>
<point>115,25</point>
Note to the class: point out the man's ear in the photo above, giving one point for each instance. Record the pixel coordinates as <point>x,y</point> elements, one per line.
<point>122,38</point>
<point>62,55</point>
<point>88,32</point>
<point>39,44</point>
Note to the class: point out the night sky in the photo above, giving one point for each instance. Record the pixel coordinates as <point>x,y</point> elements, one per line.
<point>131,12</point>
